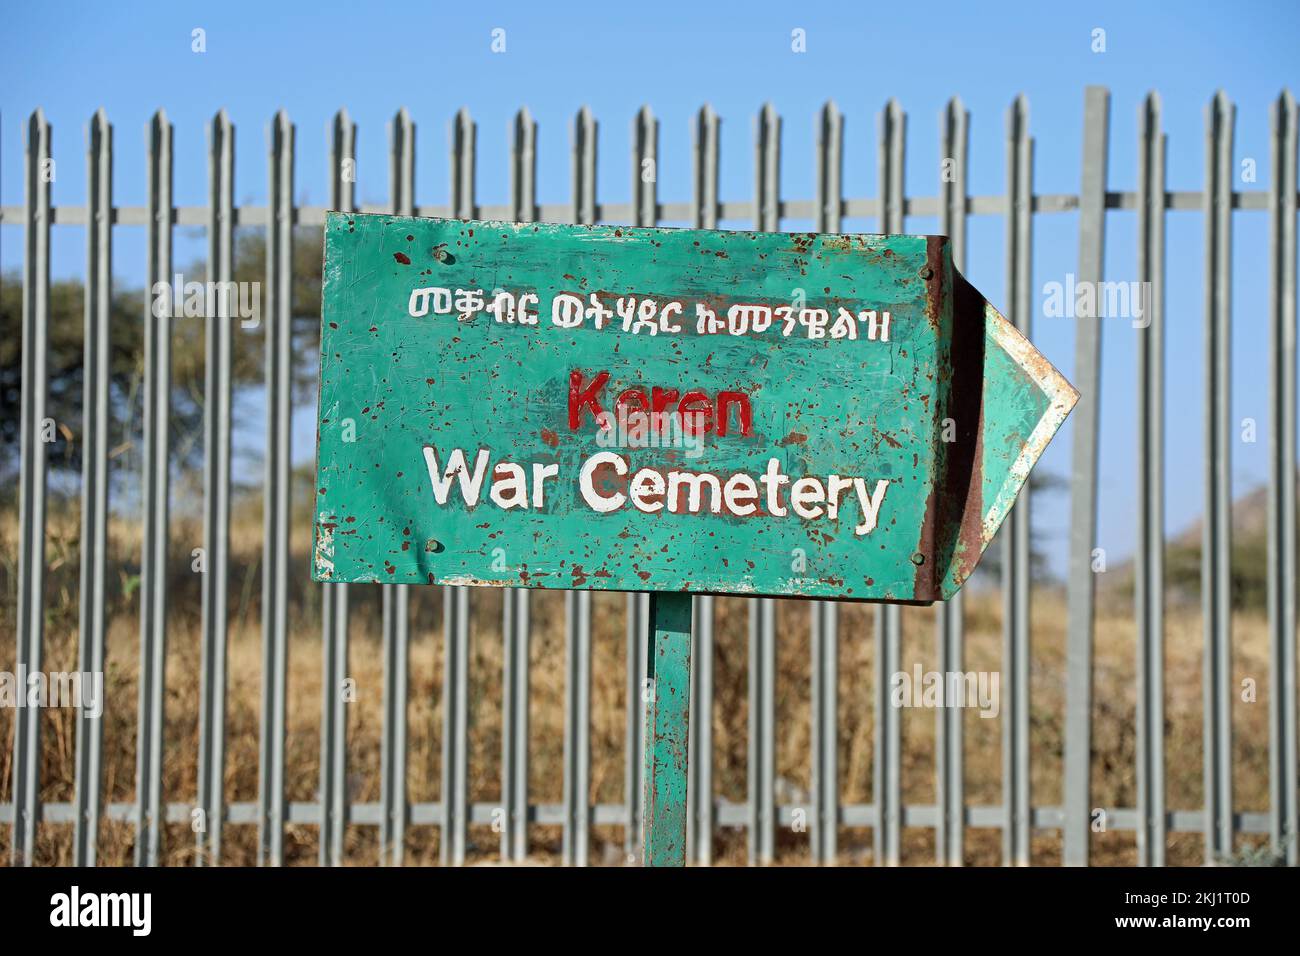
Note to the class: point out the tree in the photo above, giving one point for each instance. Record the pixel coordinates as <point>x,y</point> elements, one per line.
<point>126,362</point>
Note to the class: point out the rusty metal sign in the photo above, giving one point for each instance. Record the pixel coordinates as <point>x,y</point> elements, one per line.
<point>557,406</point>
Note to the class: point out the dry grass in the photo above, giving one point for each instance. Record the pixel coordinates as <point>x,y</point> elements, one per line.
<point>1113,710</point>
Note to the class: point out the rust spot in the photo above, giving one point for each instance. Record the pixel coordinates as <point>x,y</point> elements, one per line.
<point>794,438</point>
<point>953,531</point>
<point>402,257</point>
<point>550,438</point>
<point>935,249</point>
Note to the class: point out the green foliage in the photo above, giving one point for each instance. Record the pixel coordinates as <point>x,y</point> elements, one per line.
<point>130,307</point>
<point>1248,580</point>
<point>1265,854</point>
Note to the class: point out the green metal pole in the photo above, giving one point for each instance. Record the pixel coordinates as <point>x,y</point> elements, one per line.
<point>667,700</point>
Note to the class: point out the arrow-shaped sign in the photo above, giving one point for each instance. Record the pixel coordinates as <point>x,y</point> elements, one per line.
<point>836,416</point>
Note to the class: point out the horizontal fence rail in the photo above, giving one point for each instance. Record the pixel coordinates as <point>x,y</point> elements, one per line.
<point>761,812</point>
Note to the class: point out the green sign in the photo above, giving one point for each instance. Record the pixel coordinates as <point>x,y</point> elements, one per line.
<point>836,416</point>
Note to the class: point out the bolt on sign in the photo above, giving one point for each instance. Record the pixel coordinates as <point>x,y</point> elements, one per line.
<point>557,406</point>
<point>667,410</point>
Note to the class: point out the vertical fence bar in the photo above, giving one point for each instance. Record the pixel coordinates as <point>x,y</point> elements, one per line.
<point>585,131</point>
<point>464,135</point>
<point>829,160</point>
<point>94,472</point>
<point>523,168</point>
<point>455,715</point>
<point>577,726</point>
<point>767,170</point>
<point>886,779</point>
<point>955,142</point>
<point>888,756</point>
<point>638,628</point>
<point>1081,589</point>
<point>645,173</point>
<point>699,820</point>
<point>705,198</point>
<point>334,726</point>
<point>1016,572</point>
<point>645,212</point>
<point>154,495</point>
<point>761,770</point>
<point>396,598</point>
<point>577,604</point>
<point>949,835</point>
<point>395,610</point>
<point>514,725</point>
<point>1220,116</point>
<point>335,597</point>
<point>893,134</point>
<point>455,792</point>
<point>275,567</point>
<point>767,703</point>
<point>32,478</point>
<point>1284,825</point>
<point>825,742</point>
<point>1149,587</point>
<point>514,680</point>
<point>216,491</point>
<point>824,614</point>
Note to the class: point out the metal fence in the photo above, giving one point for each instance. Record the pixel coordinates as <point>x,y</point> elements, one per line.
<point>950,814</point>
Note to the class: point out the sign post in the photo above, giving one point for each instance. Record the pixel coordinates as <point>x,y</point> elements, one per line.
<point>667,699</point>
<point>839,417</point>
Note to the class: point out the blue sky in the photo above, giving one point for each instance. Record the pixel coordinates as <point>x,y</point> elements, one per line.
<point>435,58</point>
